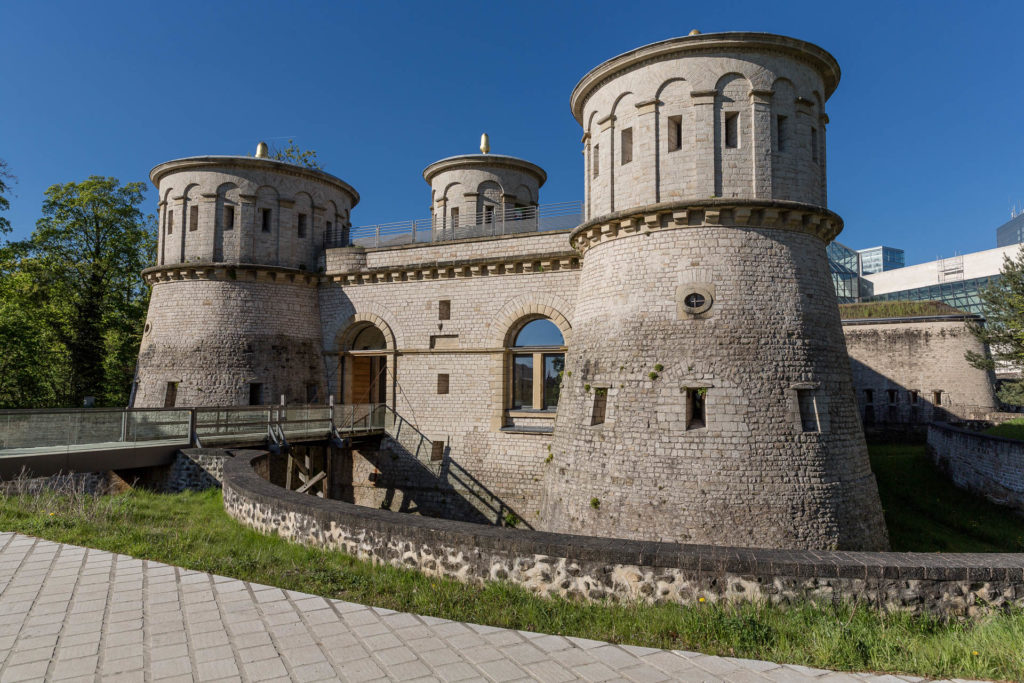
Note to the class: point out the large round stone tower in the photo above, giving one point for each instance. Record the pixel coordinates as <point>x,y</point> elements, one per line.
<point>707,396</point>
<point>233,316</point>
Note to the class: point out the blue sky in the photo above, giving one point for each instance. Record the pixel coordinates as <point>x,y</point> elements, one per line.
<point>925,144</point>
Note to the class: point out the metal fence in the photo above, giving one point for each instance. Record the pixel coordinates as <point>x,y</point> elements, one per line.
<point>30,432</point>
<point>488,223</point>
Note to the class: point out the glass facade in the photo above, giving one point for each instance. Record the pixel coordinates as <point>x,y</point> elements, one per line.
<point>878,259</point>
<point>844,264</point>
<point>1011,233</point>
<point>962,294</point>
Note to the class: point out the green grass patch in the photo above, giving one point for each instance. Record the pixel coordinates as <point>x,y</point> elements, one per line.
<point>896,309</point>
<point>925,512</point>
<point>1011,429</point>
<point>192,530</point>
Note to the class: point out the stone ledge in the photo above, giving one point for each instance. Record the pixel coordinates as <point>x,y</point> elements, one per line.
<point>241,272</point>
<point>767,214</point>
<point>592,567</point>
<point>462,268</point>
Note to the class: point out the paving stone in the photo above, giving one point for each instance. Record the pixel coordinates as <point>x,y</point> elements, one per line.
<point>81,627</point>
<point>216,668</point>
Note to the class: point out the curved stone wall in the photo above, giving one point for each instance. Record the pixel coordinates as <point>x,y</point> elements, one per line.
<point>752,472</point>
<point>706,393</point>
<point>913,371</point>
<point>214,330</point>
<point>731,115</point>
<point>247,210</point>
<point>989,466</point>
<point>594,568</point>
<point>471,182</point>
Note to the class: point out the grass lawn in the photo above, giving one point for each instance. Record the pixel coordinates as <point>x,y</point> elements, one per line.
<point>1011,429</point>
<point>192,530</point>
<point>926,513</point>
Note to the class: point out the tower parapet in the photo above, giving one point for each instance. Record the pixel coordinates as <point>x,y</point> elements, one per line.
<point>707,394</point>
<point>474,189</point>
<point>233,315</point>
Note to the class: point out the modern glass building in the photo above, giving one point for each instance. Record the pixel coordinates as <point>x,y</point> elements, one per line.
<point>1011,232</point>
<point>963,294</point>
<point>878,259</point>
<point>845,266</point>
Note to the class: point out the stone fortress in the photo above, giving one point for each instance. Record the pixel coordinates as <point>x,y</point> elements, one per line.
<point>671,368</point>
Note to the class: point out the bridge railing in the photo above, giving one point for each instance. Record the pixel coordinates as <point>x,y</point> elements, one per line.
<point>24,432</point>
<point>55,431</point>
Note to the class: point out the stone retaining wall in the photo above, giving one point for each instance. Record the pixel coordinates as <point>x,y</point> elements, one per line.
<point>618,569</point>
<point>986,465</point>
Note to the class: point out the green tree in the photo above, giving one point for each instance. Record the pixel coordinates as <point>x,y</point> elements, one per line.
<point>5,186</point>
<point>1003,329</point>
<point>294,155</point>
<point>83,265</point>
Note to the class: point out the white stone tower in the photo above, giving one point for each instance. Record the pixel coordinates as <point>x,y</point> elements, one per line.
<point>233,316</point>
<point>481,190</point>
<point>707,396</point>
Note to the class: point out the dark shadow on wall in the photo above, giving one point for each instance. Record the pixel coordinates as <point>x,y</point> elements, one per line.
<point>379,471</point>
<point>889,409</point>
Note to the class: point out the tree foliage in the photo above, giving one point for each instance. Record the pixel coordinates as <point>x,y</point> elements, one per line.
<point>1003,329</point>
<point>5,186</point>
<point>74,301</point>
<point>294,155</point>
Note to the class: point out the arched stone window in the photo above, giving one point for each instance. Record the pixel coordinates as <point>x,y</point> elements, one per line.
<point>537,355</point>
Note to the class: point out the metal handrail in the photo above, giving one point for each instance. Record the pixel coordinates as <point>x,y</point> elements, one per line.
<point>21,429</point>
<point>441,228</point>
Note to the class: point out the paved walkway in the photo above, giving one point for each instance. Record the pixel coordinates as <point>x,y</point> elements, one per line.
<point>70,613</point>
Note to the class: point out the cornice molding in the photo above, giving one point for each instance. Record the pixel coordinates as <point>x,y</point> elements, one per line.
<point>461,269</point>
<point>707,44</point>
<point>764,214</point>
<point>247,272</point>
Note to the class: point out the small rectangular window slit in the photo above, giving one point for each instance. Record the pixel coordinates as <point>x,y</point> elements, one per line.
<point>265,220</point>
<point>782,133</point>
<point>600,406</point>
<point>696,417</point>
<point>444,309</point>
<point>171,395</point>
<point>675,133</point>
<point>442,384</point>
<point>193,218</point>
<point>302,225</point>
<point>595,159</point>
<point>626,151</point>
<point>808,410</point>
<point>732,130</point>
<point>229,218</point>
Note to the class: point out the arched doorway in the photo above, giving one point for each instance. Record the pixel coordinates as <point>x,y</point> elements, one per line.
<point>363,366</point>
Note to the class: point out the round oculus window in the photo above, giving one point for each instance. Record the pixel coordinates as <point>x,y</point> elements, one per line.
<point>696,301</point>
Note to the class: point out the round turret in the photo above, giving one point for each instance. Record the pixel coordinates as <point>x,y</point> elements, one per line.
<point>707,394</point>
<point>476,189</point>
<point>233,313</point>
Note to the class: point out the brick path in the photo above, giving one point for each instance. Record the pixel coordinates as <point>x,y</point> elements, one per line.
<point>71,613</point>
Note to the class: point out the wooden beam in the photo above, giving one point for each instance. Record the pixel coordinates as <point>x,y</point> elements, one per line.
<point>312,482</point>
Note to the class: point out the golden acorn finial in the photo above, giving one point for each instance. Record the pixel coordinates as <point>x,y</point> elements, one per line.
<point>262,152</point>
<point>694,32</point>
<point>485,144</point>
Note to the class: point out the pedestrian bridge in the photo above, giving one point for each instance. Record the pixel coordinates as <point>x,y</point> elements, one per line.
<point>98,439</point>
